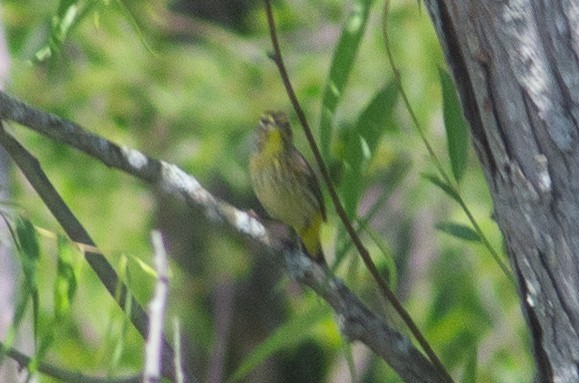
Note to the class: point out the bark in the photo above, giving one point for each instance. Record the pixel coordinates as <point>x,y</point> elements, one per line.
<point>516,67</point>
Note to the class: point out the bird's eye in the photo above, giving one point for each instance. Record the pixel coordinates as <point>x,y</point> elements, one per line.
<point>266,120</point>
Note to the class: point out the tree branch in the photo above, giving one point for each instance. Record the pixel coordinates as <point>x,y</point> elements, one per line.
<point>356,321</point>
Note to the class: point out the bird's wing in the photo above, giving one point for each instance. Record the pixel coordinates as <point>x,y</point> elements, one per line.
<point>311,180</point>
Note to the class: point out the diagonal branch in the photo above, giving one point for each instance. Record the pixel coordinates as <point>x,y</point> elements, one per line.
<point>356,321</point>
<point>29,165</point>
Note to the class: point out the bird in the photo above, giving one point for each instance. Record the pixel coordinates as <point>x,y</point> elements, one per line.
<point>285,183</point>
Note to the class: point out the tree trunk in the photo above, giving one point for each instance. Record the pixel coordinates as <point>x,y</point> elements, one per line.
<point>516,67</point>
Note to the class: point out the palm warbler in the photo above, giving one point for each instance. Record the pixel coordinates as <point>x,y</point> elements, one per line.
<point>285,184</point>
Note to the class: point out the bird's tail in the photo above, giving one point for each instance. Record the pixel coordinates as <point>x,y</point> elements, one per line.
<point>311,242</point>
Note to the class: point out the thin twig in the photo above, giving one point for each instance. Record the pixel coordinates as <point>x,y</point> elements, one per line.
<point>178,363</point>
<point>157,306</point>
<point>387,293</point>
<point>61,374</point>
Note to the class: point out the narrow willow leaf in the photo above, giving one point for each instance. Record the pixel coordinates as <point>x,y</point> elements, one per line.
<point>64,6</point>
<point>363,141</point>
<point>62,23</point>
<point>127,8</point>
<point>70,13</point>
<point>469,375</point>
<point>442,185</point>
<point>65,22</point>
<point>65,285</point>
<point>341,67</point>
<point>148,270</point>
<point>455,125</point>
<point>390,180</point>
<point>28,243</point>
<point>392,269</point>
<point>458,230</point>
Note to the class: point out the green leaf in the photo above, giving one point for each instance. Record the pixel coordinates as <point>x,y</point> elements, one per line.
<point>455,125</point>
<point>289,334</point>
<point>362,143</point>
<point>346,347</point>
<point>43,347</point>
<point>128,9</point>
<point>70,13</point>
<point>385,249</point>
<point>373,120</point>
<point>65,286</point>
<point>469,375</point>
<point>65,21</point>
<point>458,230</point>
<point>148,270</point>
<point>442,185</point>
<point>29,255</point>
<point>29,250</point>
<point>342,64</point>
<point>389,180</point>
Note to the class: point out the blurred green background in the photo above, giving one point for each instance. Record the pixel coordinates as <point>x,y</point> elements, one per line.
<point>186,81</point>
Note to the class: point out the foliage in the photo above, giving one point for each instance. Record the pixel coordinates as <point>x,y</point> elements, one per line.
<point>189,91</point>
